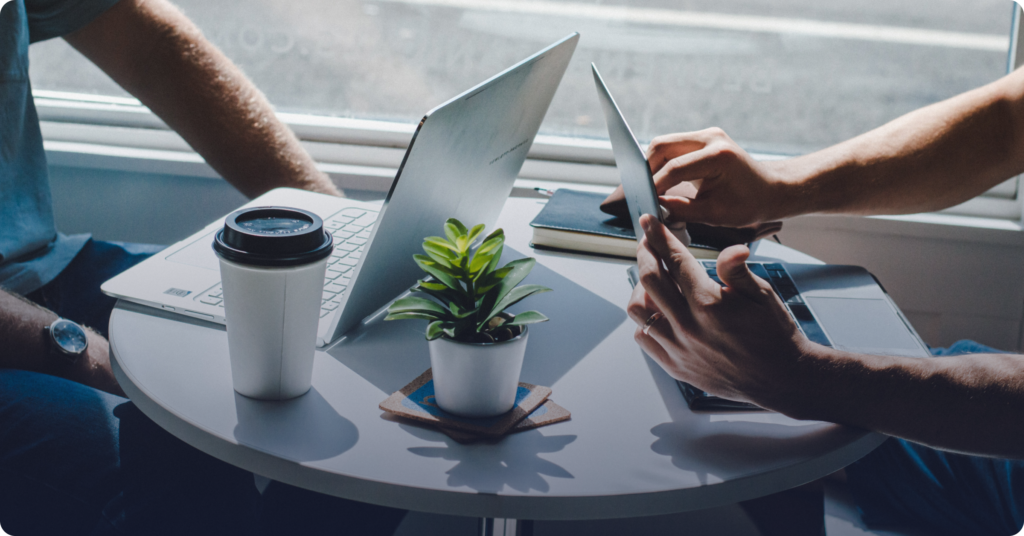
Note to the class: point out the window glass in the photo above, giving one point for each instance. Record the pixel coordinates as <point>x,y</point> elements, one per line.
<point>787,76</point>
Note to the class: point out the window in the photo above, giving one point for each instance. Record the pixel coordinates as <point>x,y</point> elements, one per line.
<point>784,77</point>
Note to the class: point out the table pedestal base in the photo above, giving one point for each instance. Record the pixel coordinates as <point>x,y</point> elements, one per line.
<point>490,526</point>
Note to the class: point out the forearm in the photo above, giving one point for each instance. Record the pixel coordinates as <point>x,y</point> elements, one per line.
<point>25,346</point>
<point>158,55</point>
<point>930,159</point>
<point>968,404</point>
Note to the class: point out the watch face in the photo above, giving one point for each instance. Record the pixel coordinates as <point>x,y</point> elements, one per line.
<point>69,336</point>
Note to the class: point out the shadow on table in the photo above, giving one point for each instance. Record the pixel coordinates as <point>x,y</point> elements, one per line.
<point>513,462</point>
<point>391,354</point>
<point>726,444</point>
<point>302,429</point>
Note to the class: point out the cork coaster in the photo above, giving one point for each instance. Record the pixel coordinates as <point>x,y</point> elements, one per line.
<point>548,413</point>
<point>416,401</point>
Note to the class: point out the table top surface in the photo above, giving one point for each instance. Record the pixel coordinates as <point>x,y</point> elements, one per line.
<point>632,447</point>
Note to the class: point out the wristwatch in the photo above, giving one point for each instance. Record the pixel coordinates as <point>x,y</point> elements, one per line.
<point>66,339</point>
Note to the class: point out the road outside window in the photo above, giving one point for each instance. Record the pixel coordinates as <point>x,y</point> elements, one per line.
<point>785,76</point>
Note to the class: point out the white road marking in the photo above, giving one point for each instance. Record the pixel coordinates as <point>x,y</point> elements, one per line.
<point>743,23</point>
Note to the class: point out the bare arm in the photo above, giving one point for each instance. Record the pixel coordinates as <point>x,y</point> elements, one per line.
<point>969,404</point>
<point>153,51</point>
<point>25,347</point>
<point>739,342</point>
<point>929,159</point>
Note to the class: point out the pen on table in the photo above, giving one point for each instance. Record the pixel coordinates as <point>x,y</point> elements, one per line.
<point>545,192</point>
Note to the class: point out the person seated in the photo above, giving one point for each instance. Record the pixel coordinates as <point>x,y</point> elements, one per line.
<point>954,463</point>
<point>75,456</point>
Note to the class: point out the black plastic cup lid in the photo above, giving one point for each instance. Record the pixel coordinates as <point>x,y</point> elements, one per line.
<point>273,236</point>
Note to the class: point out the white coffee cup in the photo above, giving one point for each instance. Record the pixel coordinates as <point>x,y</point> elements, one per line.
<point>272,266</point>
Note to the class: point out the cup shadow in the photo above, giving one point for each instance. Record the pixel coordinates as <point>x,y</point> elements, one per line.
<point>302,429</point>
<point>513,463</point>
<point>391,354</point>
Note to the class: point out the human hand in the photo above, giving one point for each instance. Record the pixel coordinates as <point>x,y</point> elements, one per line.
<point>732,189</point>
<point>93,368</point>
<point>737,341</point>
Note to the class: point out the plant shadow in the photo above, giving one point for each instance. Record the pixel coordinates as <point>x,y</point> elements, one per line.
<point>513,462</point>
<point>391,354</point>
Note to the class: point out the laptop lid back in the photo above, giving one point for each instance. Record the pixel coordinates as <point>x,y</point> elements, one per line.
<point>634,171</point>
<point>462,163</point>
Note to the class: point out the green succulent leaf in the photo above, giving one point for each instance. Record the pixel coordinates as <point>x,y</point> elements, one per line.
<point>480,261</point>
<point>527,317</point>
<point>488,281</point>
<point>430,285</point>
<point>453,229</point>
<point>435,329</point>
<point>458,224</point>
<point>439,272</point>
<point>439,254</point>
<point>493,241</point>
<point>459,312</point>
<point>474,233</point>
<point>518,270</point>
<point>415,304</point>
<point>411,316</point>
<point>441,243</point>
<point>513,297</point>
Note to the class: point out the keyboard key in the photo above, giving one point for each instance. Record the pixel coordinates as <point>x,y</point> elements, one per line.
<point>333,274</point>
<point>357,241</point>
<point>346,246</point>
<point>329,295</point>
<point>210,300</point>
<point>349,261</point>
<point>331,305</point>
<point>342,235</point>
<point>324,312</point>
<point>333,287</point>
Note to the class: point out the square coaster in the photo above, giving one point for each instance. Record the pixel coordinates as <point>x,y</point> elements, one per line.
<point>416,401</point>
<point>548,413</point>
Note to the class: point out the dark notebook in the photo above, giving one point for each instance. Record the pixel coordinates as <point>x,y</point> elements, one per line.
<point>572,220</point>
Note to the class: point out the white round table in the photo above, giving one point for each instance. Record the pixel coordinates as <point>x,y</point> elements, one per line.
<point>632,447</point>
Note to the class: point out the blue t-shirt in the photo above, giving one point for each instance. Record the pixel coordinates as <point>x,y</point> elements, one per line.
<point>32,252</point>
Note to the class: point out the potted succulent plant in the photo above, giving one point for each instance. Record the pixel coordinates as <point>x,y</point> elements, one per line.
<point>476,347</point>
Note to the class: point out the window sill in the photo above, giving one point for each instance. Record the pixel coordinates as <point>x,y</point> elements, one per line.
<point>120,134</point>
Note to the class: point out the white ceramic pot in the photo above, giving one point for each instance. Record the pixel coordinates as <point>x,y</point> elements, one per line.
<point>477,379</point>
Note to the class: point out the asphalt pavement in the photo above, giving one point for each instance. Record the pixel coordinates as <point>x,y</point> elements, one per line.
<point>787,76</point>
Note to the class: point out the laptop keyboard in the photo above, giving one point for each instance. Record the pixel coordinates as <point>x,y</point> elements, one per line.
<point>351,230</point>
<point>783,286</point>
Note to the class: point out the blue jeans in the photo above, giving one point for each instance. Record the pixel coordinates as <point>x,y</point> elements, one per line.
<point>903,484</point>
<point>74,460</point>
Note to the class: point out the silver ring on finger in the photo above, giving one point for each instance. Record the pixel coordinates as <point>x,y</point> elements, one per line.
<point>651,320</point>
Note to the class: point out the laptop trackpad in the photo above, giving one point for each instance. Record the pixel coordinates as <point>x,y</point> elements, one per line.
<point>865,326</point>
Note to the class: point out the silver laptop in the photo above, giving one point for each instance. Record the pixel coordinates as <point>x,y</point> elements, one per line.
<point>462,162</point>
<point>838,306</point>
